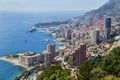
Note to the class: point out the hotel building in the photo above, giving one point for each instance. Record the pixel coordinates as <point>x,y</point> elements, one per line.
<point>29,59</point>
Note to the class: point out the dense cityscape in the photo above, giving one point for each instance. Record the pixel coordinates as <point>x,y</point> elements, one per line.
<point>90,51</point>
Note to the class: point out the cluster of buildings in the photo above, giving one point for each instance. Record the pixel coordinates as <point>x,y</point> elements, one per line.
<point>78,39</point>
<point>29,59</point>
<point>99,30</point>
<point>97,36</point>
<point>78,55</point>
<point>77,42</point>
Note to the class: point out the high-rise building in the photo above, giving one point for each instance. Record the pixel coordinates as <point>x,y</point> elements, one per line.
<point>108,28</point>
<point>108,23</point>
<point>79,55</point>
<point>48,59</point>
<point>108,33</point>
<point>51,48</point>
<point>68,34</point>
<point>73,35</point>
<point>50,55</point>
<point>95,35</point>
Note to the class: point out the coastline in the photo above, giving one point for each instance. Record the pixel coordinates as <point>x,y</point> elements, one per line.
<point>56,40</point>
<point>17,40</point>
<point>16,62</point>
<point>12,61</point>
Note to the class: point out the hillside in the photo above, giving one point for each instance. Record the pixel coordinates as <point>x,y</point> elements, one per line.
<point>109,9</point>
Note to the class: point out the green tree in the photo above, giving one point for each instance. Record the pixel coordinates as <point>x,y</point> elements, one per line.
<point>111,63</point>
<point>55,72</point>
<point>98,74</point>
<point>111,77</point>
<point>85,69</point>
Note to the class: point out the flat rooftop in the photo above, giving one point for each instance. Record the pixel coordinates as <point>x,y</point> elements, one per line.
<point>29,54</point>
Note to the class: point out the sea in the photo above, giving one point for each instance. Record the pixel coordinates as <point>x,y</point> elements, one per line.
<point>14,38</point>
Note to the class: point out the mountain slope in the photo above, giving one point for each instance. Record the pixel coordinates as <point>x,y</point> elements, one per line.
<point>109,9</point>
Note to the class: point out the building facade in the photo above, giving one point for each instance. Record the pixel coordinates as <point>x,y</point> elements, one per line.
<point>68,34</point>
<point>95,35</point>
<point>79,55</point>
<point>108,28</point>
<point>108,23</point>
<point>50,55</point>
<point>48,59</point>
<point>51,49</point>
<point>29,59</point>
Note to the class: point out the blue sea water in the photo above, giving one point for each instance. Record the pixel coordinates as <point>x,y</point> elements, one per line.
<point>13,36</point>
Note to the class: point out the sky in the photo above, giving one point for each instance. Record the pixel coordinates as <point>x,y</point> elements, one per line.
<point>50,5</point>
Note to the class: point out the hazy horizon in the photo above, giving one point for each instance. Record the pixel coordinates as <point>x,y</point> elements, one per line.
<point>49,5</point>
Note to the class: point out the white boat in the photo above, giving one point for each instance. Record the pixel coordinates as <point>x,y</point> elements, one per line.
<point>32,29</point>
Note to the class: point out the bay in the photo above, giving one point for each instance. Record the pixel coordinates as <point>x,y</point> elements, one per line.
<point>13,36</point>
